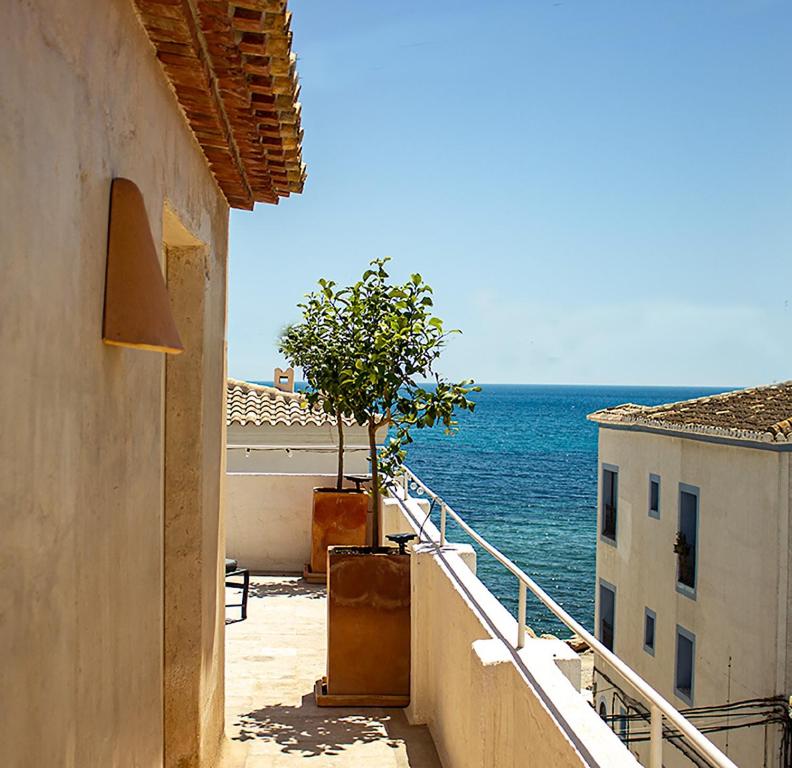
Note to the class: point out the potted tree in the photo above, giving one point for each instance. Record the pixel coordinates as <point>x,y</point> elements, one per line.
<point>391,341</point>
<point>317,346</point>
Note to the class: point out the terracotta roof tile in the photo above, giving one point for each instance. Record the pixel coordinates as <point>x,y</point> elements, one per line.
<point>234,74</point>
<point>256,404</point>
<point>762,414</point>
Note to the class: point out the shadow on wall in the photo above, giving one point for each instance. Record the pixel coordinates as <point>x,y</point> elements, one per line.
<point>309,731</point>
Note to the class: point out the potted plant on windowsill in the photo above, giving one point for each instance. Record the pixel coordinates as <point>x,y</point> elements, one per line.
<point>339,514</point>
<point>391,341</point>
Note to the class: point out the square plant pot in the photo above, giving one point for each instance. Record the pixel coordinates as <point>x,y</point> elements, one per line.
<point>368,628</point>
<point>338,518</point>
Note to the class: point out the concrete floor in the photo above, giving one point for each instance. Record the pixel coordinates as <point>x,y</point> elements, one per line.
<point>272,661</point>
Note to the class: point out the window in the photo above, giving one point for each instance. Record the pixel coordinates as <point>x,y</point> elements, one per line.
<point>649,630</point>
<point>610,489</point>
<point>624,725</point>
<point>686,544</point>
<point>603,711</point>
<point>607,610</point>
<point>654,496</point>
<point>685,660</point>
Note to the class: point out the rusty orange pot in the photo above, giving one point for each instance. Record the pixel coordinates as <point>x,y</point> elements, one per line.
<point>368,628</point>
<point>339,517</point>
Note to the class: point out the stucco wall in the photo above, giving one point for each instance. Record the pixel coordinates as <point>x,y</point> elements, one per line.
<point>268,519</point>
<point>81,460</point>
<point>485,703</point>
<point>739,614</point>
<point>295,455</point>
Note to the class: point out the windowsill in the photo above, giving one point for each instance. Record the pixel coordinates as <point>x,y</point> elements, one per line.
<point>683,589</point>
<point>654,514</point>
<point>608,540</point>
<point>682,696</point>
<point>650,651</point>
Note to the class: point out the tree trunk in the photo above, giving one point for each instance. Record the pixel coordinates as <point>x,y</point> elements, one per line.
<point>375,484</point>
<point>340,476</point>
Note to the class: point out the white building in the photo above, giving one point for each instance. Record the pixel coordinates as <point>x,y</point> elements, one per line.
<point>693,565</point>
<point>279,450</point>
<point>271,430</point>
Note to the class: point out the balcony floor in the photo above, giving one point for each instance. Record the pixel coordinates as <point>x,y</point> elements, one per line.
<point>272,661</point>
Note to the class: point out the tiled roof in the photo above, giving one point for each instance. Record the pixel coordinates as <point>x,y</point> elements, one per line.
<point>762,414</point>
<point>258,405</point>
<point>231,65</point>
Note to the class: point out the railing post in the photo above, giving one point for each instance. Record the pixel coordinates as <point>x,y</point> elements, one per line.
<point>405,484</point>
<point>656,738</point>
<point>442,523</point>
<point>522,594</point>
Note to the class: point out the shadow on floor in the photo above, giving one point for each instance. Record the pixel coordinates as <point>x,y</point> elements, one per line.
<point>311,731</point>
<point>290,588</point>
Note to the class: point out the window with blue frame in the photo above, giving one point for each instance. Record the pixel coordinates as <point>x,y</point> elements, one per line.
<point>610,488</point>
<point>607,610</point>
<point>650,619</point>
<point>686,543</point>
<point>654,496</point>
<point>684,670</point>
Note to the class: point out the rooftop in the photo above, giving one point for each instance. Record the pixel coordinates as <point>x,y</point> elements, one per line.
<point>759,414</point>
<point>231,66</point>
<point>257,404</point>
<point>273,659</point>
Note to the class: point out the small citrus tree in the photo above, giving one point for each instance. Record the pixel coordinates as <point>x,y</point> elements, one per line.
<point>392,341</point>
<point>368,351</point>
<point>317,345</point>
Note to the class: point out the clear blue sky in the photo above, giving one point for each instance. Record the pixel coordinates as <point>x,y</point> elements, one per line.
<point>599,191</point>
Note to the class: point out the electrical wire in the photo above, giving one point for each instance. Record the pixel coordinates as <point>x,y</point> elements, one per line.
<point>716,718</point>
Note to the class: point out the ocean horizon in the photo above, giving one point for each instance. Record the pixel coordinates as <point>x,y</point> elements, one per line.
<point>522,470</point>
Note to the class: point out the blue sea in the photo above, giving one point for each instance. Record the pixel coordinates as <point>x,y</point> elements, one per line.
<point>522,469</point>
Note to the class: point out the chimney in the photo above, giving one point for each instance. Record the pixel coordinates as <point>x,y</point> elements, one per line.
<point>284,380</point>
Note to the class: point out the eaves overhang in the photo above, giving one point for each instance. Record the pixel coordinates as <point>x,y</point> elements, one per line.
<point>231,66</point>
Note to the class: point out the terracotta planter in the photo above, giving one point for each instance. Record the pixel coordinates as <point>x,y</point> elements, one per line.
<point>339,517</point>
<point>368,628</point>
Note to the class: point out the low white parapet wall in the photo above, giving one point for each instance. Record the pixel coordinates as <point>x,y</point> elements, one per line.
<point>268,519</point>
<point>485,703</point>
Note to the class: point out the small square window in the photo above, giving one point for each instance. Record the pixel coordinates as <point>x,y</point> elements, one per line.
<point>650,620</point>
<point>654,496</point>
<point>685,664</point>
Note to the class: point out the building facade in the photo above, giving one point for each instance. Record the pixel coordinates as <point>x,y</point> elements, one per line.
<point>278,451</point>
<point>111,466</point>
<point>274,431</point>
<point>693,562</point>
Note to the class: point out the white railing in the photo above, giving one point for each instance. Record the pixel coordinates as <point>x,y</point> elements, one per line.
<point>658,706</point>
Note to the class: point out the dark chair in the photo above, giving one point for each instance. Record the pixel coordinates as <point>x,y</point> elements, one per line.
<point>232,569</point>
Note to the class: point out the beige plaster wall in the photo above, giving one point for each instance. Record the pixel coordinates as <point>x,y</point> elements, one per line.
<point>299,459</point>
<point>485,703</point>
<point>268,519</point>
<point>81,460</point>
<point>739,614</point>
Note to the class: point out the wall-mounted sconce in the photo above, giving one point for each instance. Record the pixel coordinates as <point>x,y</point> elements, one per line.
<point>137,311</point>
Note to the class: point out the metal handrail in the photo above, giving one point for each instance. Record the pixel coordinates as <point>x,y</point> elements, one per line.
<point>318,448</point>
<point>659,706</point>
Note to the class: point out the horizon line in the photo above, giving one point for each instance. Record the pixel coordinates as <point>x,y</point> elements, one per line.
<point>269,382</point>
